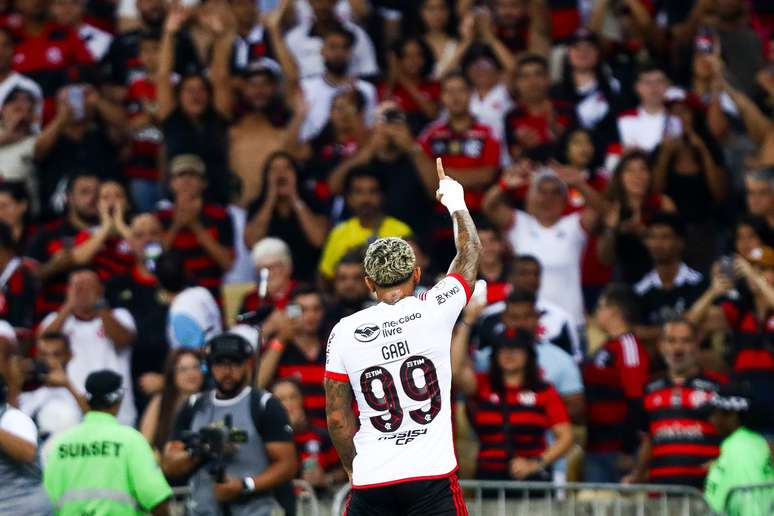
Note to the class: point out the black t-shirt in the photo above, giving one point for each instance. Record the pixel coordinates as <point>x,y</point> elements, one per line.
<point>658,305</point>
<point>141,298</point>
<point>306,257</point>
<point>50,240</point>
<point>209,140</point>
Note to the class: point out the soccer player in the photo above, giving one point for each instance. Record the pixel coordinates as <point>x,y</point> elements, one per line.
<point>394,358</point>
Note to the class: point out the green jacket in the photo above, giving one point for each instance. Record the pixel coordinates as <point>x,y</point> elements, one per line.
<point>102,467</point>
<point>745,458</point>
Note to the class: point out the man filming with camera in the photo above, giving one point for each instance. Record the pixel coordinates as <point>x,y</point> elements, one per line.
<point>235,442</point>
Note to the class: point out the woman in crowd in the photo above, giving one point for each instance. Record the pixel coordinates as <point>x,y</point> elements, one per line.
<point>318,460</point>
<point>195,112</point>
<point>344,134</point>
<point>587,82</point>
<point>182,377</point>
<point>750,233</point>
<point>409,82</point>
<point>437,26</point>
<point>511,409</point>
<point>633,201</point>
<point>689,170</point>
<point>15,211</point>
<point>289,210</point>
<point>17,139</point>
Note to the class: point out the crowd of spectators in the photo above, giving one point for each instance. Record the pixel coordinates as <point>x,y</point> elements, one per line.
<point>170,170</point>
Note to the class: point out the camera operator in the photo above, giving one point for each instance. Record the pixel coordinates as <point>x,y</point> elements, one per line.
<point>259,454</point>
<point>56,400</point>
<point>21,491</point>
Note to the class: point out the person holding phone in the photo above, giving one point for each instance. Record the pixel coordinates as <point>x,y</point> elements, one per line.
<point>298,350</point>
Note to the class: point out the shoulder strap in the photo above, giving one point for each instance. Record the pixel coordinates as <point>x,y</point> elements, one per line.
<point>258,400</point>
<point>194,403</point>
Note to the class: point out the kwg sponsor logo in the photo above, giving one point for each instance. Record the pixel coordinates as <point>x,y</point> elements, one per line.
<point>366,332</point>
<point>442,297</point>
<point>402,438</point>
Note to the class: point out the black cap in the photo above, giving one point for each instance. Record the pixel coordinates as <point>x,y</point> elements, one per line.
<point>583,34</point>
<point>229,345</point>
<point>104,387</point>
<point>263,66</point>
<point>732,398</point>
<point>515,339</point>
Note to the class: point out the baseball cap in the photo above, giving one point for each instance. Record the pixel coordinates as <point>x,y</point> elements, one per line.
<point>187,163</point>
<point>515,339</point>
<point>229,345</point>
<point>104,387</point>
<point>762,256</point>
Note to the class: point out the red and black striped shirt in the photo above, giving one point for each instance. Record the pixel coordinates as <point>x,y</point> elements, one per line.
<point>614,377</point>
<point>200,267</point>
<point>17,295</point>
<point>315,444</point>
<point>546,127</point>
<point>750,336</point>
<point>294,363</point>
<point>50,240</point>
<point>143,162</point>
<point>512,424</point>
<point>114,259</point>
<point>683,440</point>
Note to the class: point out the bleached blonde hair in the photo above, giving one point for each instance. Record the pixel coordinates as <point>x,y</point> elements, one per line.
<point>389,261</point>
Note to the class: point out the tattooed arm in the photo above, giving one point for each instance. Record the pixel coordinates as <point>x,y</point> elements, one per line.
<point>342,423</point>
<point>466,240</point>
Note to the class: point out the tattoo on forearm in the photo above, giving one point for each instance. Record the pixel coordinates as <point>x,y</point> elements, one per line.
<point>468,245</point>
<point>342,424</point>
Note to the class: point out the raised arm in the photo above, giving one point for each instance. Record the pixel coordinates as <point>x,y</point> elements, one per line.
<point>451,195</point>
<point>165,94</point>
<point>342,423</point>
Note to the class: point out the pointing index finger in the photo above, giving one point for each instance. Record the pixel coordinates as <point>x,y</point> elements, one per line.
<point>439,169</point>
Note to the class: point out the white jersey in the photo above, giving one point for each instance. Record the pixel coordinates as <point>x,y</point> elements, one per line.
<point>397,358</point>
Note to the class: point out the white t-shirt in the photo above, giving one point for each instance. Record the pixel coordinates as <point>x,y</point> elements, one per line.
<point>397,358</point>
<point>93,350</point>
<point>54,407</point>
<point>16,422</point>
<point>194,318</point>
<point>306,50</point>
<point>319,95</point>
<point>642,130</point>
<point>243,270</point>
<point>491,109</point>
<point>559,250</point>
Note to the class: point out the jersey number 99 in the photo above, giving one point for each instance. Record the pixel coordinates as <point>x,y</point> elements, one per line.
<point>389,401</point>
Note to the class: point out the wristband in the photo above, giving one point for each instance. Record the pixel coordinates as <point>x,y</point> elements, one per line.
<point>248,485</point>
<point>503,185</point>
<point>277,345</point>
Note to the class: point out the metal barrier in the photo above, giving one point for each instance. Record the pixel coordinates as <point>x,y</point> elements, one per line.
<point>511,498</point>
<point>750,500</point>
<point>306,500</point>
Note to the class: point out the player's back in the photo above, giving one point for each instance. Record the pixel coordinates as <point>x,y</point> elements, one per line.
<point>397,360</point>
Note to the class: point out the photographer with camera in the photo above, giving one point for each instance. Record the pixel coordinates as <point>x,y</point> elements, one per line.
<point>234,441</point>
<point>102,466</point>
<point>56,402</point>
